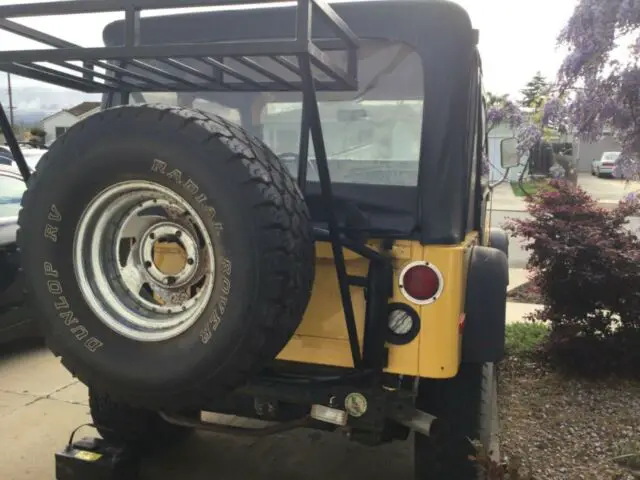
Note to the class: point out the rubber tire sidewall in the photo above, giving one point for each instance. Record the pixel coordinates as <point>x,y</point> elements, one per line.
<point>465,403</point>
<point>119,363</point>
<point>140,428</point>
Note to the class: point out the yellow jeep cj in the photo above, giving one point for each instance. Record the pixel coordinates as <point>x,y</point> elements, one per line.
<point>272,217</point>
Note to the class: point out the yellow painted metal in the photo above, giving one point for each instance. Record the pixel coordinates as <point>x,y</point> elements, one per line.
<point>322,336</point>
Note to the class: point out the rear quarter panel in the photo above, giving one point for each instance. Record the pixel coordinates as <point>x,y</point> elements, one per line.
<point>322,336</point>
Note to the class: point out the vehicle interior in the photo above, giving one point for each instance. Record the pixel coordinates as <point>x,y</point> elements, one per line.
<point>372,137</point>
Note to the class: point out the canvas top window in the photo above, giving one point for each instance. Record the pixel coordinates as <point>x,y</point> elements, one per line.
<point>372,136</point>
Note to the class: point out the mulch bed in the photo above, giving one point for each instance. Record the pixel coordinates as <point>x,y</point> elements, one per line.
<point>525,293</point>
<point>560,428</point>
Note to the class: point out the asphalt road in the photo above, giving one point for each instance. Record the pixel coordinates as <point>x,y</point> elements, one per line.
<point>518,256</point>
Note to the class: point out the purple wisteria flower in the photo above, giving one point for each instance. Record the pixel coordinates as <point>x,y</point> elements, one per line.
<point>508,113</point>
<point>527,135</point>
<point>555,113</point>
<point>606,92</point>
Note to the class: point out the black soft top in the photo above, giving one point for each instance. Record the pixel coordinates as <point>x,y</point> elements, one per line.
<point>410,21</point>
<point>440,31</point>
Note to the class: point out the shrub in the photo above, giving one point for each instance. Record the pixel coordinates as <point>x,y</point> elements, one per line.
<point>586,265</point>
<point>37,132</point>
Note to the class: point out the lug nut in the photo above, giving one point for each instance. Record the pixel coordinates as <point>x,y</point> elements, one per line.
<point>190,261</point>
<point>178,233</point>
<point>152,236</point>
<point>147,264</point>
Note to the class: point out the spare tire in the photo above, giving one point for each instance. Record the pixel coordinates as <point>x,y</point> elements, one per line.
<point>130,184</point>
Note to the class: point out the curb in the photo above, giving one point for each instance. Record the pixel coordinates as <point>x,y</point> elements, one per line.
<point>511,209</point>
<point>527,305</point>
<point>516,312</point>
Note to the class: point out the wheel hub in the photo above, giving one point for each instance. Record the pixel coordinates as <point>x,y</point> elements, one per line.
<point>144,261</point>
<point>169,254</point>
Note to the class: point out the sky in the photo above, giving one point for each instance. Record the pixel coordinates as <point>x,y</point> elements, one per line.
<point>517,37</point>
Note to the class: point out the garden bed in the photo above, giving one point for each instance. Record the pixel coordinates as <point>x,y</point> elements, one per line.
<point>525,293</point>
<point>563,428</point>
<point>566,428</point>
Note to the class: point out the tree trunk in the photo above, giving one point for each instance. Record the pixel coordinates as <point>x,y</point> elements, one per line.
<point>569,166</point>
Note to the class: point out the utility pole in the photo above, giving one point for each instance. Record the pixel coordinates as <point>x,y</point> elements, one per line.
<point>10,99</point>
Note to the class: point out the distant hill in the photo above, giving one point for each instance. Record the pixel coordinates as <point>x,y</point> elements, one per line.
<point>30,117</point>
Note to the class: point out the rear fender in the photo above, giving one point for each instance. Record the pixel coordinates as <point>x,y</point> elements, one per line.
<point>498,238</point>
<point>483,336</point>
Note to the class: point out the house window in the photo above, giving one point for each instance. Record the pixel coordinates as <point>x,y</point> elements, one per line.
<point>60,131</point>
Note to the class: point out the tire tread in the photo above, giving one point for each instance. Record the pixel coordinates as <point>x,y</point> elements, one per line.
<point>285,223</point>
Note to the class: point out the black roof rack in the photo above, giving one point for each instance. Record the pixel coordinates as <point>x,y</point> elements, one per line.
<point>137,67</point>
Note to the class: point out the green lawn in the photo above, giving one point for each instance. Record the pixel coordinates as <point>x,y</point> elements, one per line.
<point>530,187</point>
<point>523,339</point>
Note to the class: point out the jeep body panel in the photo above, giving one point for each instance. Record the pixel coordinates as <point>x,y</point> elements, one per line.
<point>322,337</point>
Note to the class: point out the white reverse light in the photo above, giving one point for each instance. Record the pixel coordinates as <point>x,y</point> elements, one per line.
<point>400,322</point>
<point>329,415</point>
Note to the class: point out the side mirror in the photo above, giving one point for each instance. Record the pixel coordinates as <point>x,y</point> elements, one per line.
<point>509,153</point>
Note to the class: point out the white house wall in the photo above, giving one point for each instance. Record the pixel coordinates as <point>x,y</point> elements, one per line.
<point>60,119</point>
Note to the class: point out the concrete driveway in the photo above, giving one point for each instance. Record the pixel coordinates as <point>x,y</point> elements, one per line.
<point>606,189</point>
<point>40,404</point>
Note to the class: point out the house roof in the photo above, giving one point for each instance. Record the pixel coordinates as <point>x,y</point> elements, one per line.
<point>82,108</point>
<point>77,111</point>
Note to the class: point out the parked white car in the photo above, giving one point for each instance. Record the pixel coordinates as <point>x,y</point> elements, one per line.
<point>31,154</point>
<point>605,165</point>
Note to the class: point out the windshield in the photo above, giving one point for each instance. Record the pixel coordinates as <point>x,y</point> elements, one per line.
<point>372,136</point>
<point>610,156</point>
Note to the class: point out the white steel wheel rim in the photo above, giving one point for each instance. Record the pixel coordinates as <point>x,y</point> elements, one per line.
<point>114,262</point>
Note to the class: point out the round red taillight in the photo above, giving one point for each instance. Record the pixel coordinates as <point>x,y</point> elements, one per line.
<point>421,282</point>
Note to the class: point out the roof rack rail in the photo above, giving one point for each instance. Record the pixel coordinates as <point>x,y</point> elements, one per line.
<point>129,67</point>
